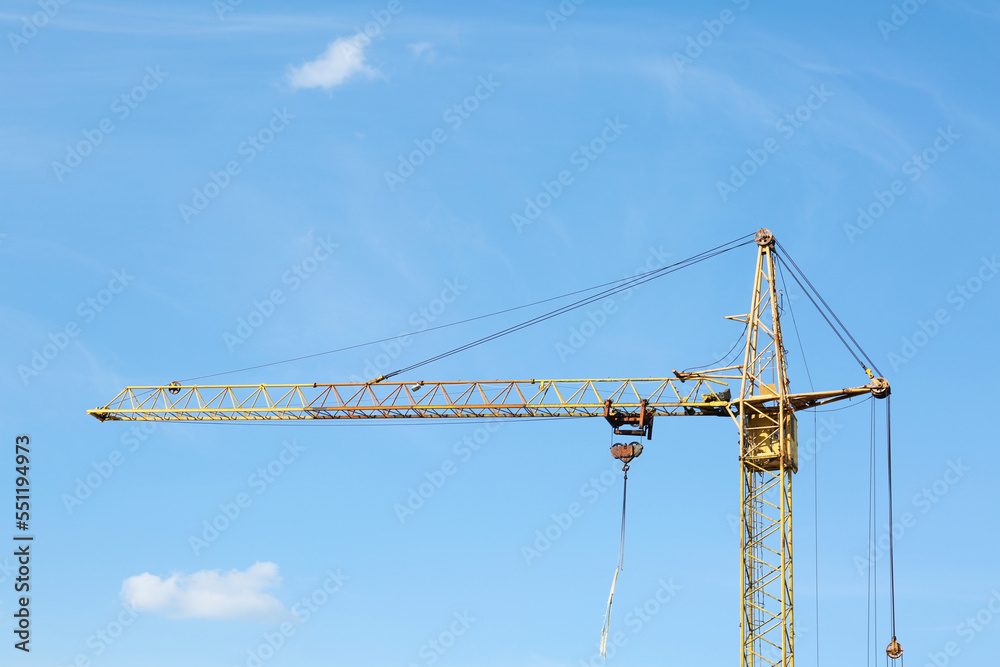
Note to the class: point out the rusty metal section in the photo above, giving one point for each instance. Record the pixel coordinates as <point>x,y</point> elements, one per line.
<point>625,453</point>
<point>642,420</point>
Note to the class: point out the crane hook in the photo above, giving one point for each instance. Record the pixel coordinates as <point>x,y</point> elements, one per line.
<point>625,453</point>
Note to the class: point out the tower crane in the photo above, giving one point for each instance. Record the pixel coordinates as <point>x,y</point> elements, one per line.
<point>755,395</point>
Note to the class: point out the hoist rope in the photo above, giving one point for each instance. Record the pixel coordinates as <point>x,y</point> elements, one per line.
<point>874,523</point>
<point>892,567</point>
<point>621,561</point>
<point>873,554</point>
<point>872,541</point>
<point>621,544</point>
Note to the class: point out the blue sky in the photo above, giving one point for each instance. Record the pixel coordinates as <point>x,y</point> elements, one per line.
<point>192,188</point>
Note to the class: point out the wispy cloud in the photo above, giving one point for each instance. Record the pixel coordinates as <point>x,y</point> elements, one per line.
<point>168,21</point>
<point>342,59</point>
<point>207,594</point>
<point>424,49</point>
<point>990,13</point>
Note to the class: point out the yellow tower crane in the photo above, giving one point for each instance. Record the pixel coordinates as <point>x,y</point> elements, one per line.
<point>763,410</point>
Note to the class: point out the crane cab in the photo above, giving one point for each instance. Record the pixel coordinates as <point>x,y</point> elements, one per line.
<point>767,441</point>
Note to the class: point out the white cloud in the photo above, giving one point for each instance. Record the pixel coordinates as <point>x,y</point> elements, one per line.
<point>342,59</point>
<point>207,594</point>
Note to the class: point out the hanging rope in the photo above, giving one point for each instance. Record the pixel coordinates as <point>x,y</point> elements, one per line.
<point>614,580</point>
<point>894,650</point>
<point>871,529</point>
<point>892,574</point>
<point>874,524</point>
<point>625,454</point>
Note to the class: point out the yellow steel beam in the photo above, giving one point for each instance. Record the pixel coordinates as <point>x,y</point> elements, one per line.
<point>495,399</point>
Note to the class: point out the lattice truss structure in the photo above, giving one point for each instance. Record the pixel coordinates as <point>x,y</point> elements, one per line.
<point>404,400</point>
<point>768,457</point>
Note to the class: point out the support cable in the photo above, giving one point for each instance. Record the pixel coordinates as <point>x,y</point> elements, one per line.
<point>423,331</point>
<point>405,335</point>
<point>739,340</point>
<point>793,269</point>
<point>823,314</point>
<point>638,280</point>
<point>629,282</point>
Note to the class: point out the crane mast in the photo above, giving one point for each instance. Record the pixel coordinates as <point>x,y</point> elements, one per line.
<point>763,411</point>
<point>768,457</point>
